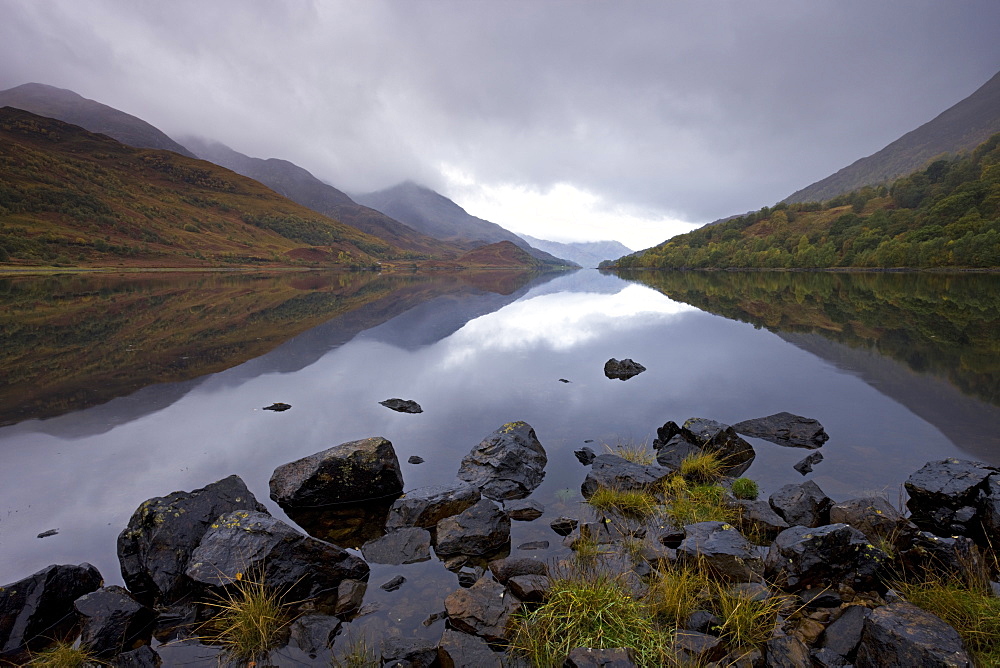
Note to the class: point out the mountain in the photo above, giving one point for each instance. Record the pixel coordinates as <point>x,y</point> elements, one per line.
<point>960,128</point>
<point>435,215</point>
<point>70,107</point>
<point>584,253</point>
<point>297,184</point>
<point>70,197</point>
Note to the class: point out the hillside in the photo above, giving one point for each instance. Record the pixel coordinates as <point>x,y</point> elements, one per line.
<point>958,129</point>
<point>70,197</point>
<point>947,215</point>
<point>299,185</point>
<point>70,107</point>
<point>585,253</point>
<point>435,215</point>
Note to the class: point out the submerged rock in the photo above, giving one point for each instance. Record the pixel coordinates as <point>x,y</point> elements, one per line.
<point>507,464</point>
<point>426,506</point>
<point>402,405</point>
<point>806,464</point>
<point>622,369</point>
<point>346,473</point>
<point>480,529</point>
<point>485,609</point>
<point>405,545</point>
<point>457,650</point>
<point>785,429</point>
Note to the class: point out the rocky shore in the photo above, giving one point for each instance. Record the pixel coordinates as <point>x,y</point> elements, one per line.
<point>830,567</point>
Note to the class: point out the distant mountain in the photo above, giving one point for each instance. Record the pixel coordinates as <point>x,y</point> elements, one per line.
<point>69,107</point>
<point>434,214</point>
<point>960,128</point>
<point>297,184</point>
<point>585,253</point>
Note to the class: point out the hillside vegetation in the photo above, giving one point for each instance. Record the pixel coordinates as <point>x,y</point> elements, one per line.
<point>946,215</point>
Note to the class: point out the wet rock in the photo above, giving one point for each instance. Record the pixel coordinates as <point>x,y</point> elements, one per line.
<point>563,380</point>
<point>408,653</point>
<point>901,634</point>
<point>588,657</point>
<point>564,526</point>
<point>622,369</point>
<point>530,588</point>
<point>827,658</point>
<point>806,464</point>
<point>277,407</point>
<point>155,547</point>
<point>843,635</point>
<point>824,556</point>
<point>46,534</point>
<point>534,545</point>
<point>945,495</point>
<point>426,506</point>
<point>700,648</point>
<point>393,584</point>
<point>618,473</point>
<point>585,455</point>
<point>946,555</point>
<point>804,504</point>
<point>251,544</point>
<point>787,652</point>
<point>141,657</point>
<point>457,650</point>
<point>479,529</point>
<point>702,435</point>
<point>873,516</point>
<point>406,545</point>
<point>723,549</point>
<point>485,609</point>
<point>314,634</point>
<point>507,464</point>
<point>415,459</point>
<point>665,433</point>
<point>524,510</point>
<point>469,575</point>
<point>350,596</point>
<point>785,429</point>
<point>346,473</point>
<point>113,621</point>
<point>758,516</point>
<point>509,567</point>
<point>402,405</point>
<point>39,608</point>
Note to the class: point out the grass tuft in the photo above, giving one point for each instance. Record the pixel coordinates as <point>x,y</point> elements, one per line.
<point>678,590</point>
<point>635,503</point>
<point>251,620</point>
<point>745,488</point>
<point>699,503</point>
<point>64,655</point>
<point>702,467</point>
<point>746,622</point>
<point>357,654</point>
<point>638,453</point>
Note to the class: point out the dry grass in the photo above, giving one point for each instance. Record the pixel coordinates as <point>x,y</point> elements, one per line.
<point>252,620</point>
<point>634,503</point>
<point>638,453</point>
<point>702,467</point>
<point>64,655</point>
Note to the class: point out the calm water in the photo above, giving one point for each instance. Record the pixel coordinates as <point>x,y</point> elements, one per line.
<point>118,389</point>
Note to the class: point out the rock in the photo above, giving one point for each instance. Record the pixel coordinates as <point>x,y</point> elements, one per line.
<point>39,608</point>
<point>842,635</point>
<point>509,567</point>
<point>155,547</point>
<point>787,652</point>
<point>804,504</point>
<point>524,510</point>
<point>618,473</point>
<point>46,534</point>
<point>406,545</point>
<point>806,464</point>
<point>248,544</point>
<point>588,657</point>
<point>827,658</point>
<point>622,369</point>
<point>700,648</point>
<point>758,516</point>
<point>393,584</point>
<point>350,596</point>
<point>723,549</point>
<point>415,459</point>
<point>585,455</point>
<point>785,429</point>
<point>348,526</point>
<point>665,433</point>
<point>823,557</point>
<point>901,634</point>
<point>314,634</point>
<point>945,495</point>
<point>141,657</point>
<point>702,621</point>
<point>402,405</point>
<point>534,545</point>
<point>426,506</point>
<point>113,621</point>
<point>346,473</point>
<point>703,435</point>
<point>408,653</point>
<point>277,407</point>
<point>564,526</point>
<point>469,575</point>
<point>458,650</point>
<point>477,530</point>
<point>873,516</point>
<point>485,609</point>
<point>563,380</point>
<point>946,555</point>
<point>532,588</point>
<point>507,464</point>
<point>820,597</point>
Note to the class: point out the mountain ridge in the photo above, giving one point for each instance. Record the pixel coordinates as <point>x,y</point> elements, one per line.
<point>587,254</point>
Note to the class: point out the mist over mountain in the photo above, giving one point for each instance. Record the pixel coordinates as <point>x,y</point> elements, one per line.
<point>434,214</point>
<point>299,185</point>
<point>70,107</point>
<point>587,254</point>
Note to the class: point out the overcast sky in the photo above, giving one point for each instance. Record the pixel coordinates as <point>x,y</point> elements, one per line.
<point>571,120</point>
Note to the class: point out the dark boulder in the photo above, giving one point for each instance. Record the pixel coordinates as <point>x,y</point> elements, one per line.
<point>951,497</point>
<point>699,435</point>
<point>698,648</point>
<point>346,473</point>
<point>113,621</point>
<point>480,529</point>
<point>723,549</point>
<point>618,473</point>
<point>507,464</point>
<point>806,464</point>
<point>39,608</point>
<point>532,588</point>
<point>785,429</point>
<point>406,545</point>
<point>141,657</point>
<point>843,634</point>
<point>277,407</point>
<point>485,609</point>
<point>622,369</point>
<point>402,405</point>
<point>564,526</point>
<point>945,555</point>
<point>873,516</point>
<point>804,504</point>
<point>787,652</point>
<point>408,653</point>
<point>246,544</point>
<point>426,506</point>
<point>458,650</point>
<point>314,634</point>
<point>509,567</point>
<point>901,634</point>
<point>524,510</point>
<point>825,556</point>
<point>350,596</point>
<point>665,433</point>
<point>415,459</point>
<point>154,548</point>
<point>758,517</point>
<point>393,583</point>
<point>585,455</point>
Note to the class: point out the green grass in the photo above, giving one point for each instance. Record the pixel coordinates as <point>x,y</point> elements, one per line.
<point>251,621</point>
<point>356,654</point>
<point>703,467</point>
<point>745,488</point>
<point>676,591</point>
<point>746,622</point>
<point>636,503</point>
<point>64,655</point>
<point>688,504</point>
